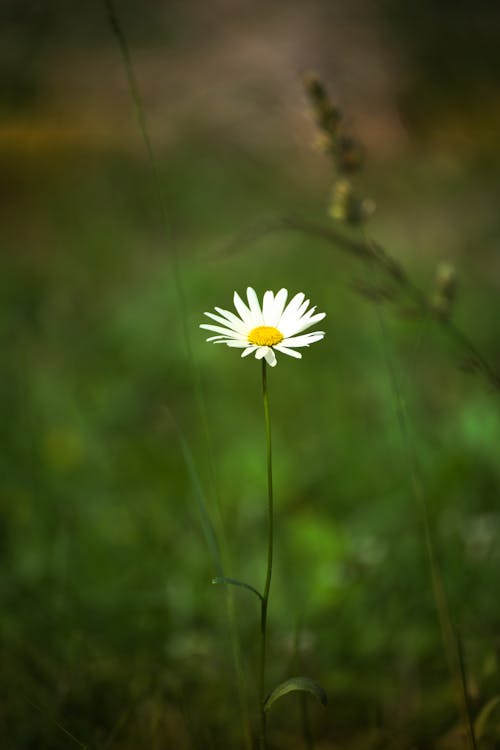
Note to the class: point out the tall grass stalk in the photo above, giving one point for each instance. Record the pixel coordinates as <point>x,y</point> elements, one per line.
<point>58,724</point>
<point>450,642</point>
<point>219,559</point>
<point>135,94</point>
<point>219,548</point>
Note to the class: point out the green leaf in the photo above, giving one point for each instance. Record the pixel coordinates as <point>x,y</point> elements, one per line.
<point>484,715</point>
<point>234,582</point>
<point>295,683</point>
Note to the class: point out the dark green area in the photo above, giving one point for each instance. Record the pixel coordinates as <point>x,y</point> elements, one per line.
<point>110,628</point>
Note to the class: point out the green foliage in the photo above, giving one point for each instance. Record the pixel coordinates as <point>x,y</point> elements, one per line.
<point>294,684</point>
<point>110,628</point>
<point>234,582</point>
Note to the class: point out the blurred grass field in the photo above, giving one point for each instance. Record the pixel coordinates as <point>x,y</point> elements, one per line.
<point>110,625</point>
<point>112,635</point>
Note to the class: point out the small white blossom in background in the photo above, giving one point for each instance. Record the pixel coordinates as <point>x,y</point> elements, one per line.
<point>266,329</point>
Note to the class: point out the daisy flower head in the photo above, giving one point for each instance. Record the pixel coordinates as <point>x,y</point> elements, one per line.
<point>263,330</point>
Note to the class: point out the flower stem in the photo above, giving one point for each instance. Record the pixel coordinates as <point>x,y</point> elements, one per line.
<point>265,597</point>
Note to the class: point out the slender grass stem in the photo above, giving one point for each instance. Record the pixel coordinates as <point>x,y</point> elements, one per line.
<point>267,587</point>
<point>223,555</point>
<point>450,642</point>
<point>137,100</point>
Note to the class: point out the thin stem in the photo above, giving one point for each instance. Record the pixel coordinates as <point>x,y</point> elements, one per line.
<point>135,92</point>
<point>450,641</point>
<point>265,596</point>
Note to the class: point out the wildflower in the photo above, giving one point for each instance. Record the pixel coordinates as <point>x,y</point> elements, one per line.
<point>267,329</point>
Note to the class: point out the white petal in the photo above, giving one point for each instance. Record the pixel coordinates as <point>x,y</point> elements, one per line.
<point>285,350</point>
<point>238,328</point>
<point>279,304</point>
<point>261,352</point>
<point>248,351</point>
<point>302,308</point>
<point>237,344</point>
<point>270,358</point>
<point>291,317</point>
<point>293,305</point>
<point>311,321</point>
<point>308,338</point>
<point>231,317</point>
<point>254,305</point>
<point>215,338</point>
<point>226,331</point>
<point>267,306</point>
<point>305,322</point>
<point>242,309</point>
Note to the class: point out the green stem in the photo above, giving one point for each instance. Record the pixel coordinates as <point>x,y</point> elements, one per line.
<point>450,641</point>
<point>265,597</point>
<point>135,93</point>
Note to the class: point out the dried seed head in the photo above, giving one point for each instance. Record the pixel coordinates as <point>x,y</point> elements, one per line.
<point>346,205</point>
<point>351,155</point>
<point>326,114</point>
<point>445,289</point>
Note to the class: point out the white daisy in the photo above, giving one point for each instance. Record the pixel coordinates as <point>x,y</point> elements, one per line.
<point>264,330</point>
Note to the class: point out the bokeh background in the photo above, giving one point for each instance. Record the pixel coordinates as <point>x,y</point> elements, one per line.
<point>127,443</point>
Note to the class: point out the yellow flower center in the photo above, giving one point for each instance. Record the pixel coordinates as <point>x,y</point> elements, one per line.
<point>265,336</point>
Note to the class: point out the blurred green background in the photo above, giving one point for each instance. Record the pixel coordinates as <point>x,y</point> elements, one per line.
<point>120,432</point>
